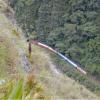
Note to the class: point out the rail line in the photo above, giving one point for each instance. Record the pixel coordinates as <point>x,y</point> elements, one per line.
<point>62,56</point>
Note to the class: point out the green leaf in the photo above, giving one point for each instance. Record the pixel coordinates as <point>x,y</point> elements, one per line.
<point>17,91</point>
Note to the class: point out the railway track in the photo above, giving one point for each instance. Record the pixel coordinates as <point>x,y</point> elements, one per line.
<point>62,56</point>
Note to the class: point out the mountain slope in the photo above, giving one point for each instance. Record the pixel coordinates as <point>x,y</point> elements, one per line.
<point>70,26</point>
<point>57,84</point>
<point>14,64</point>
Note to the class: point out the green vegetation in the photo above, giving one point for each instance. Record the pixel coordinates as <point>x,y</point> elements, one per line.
<point>88,81</point>
<point>43,82</point>
<point>26,88</point>
<point>64,88</point>
<point>70,26</point>
<point>16,84</point>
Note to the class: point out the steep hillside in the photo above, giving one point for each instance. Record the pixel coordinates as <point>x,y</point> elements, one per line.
<point>15,80</point>
<point>35,78</point>
<point>70,26</point>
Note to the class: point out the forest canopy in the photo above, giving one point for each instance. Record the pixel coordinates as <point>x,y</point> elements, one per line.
<point>70,26</point>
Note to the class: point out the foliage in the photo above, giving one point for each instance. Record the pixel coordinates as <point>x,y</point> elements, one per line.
<point>88,81</point>
<point>25,88</point>
<point>70,26</point>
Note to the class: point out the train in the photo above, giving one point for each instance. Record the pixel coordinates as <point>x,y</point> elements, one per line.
<point>76,66</point>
